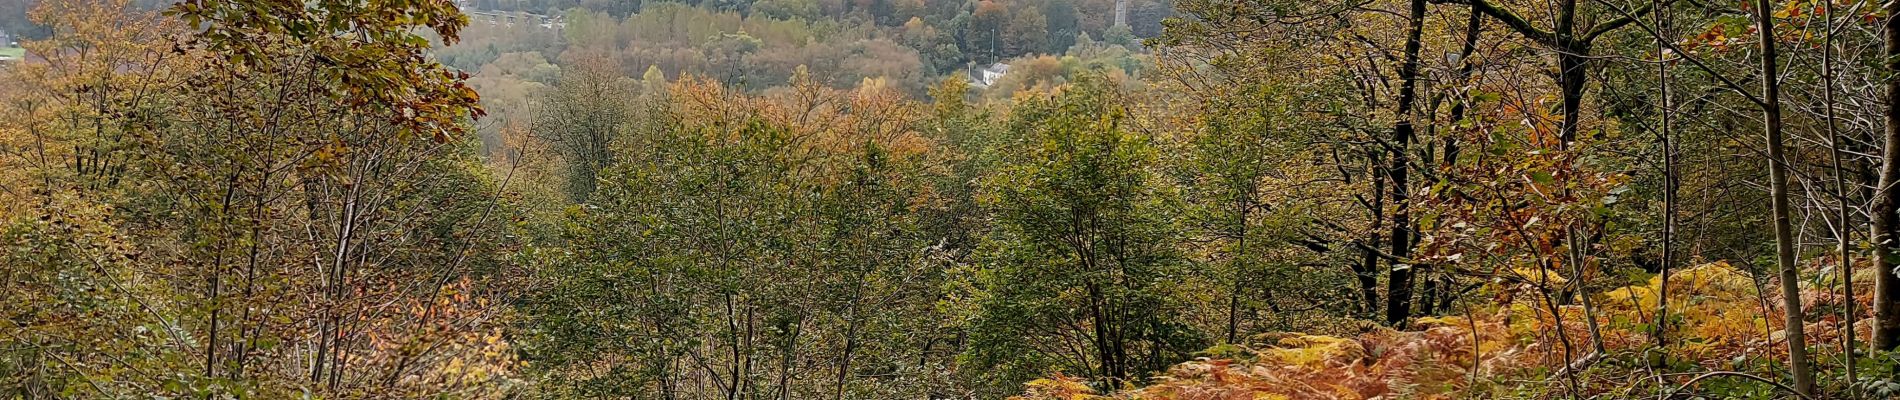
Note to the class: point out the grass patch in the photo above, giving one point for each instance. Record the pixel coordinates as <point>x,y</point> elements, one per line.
<point>14,52</point>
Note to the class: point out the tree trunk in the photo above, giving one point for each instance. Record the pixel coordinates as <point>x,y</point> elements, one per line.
<point>1886,200</point>
<point>1398,306</point>
<point>1570,64</point>
<point>1368,268</point>
<point>1659,328</point>
<point>1240,268</point>
<point>1778,184</point>
<point>1844,235</point>
<point>1474,24</point>
<point>1570,76</point>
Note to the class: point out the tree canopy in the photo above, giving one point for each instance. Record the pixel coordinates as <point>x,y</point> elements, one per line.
<point>979,199</point>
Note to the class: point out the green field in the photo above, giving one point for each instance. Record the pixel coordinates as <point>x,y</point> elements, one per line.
<point>14,52</point>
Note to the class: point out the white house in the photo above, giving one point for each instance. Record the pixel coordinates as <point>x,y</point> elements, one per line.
<point>989,75</point>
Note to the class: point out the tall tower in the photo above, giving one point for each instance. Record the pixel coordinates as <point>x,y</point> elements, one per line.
<point>1121,13</point>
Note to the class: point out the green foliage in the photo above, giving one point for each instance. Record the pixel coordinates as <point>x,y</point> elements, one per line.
<point>237,211</point>
<point>756,46</point>
<point>737,250</point>
<point>587,115</point>
<point>742,199</point>
<point>373,49</point>
<point>1081,251</point>
<point>1236,173</point>
<point>81,320</point>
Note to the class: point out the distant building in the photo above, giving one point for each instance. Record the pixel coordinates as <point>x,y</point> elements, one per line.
<point>510,18</point>
<point>7,41</point>
<point>989,75</point>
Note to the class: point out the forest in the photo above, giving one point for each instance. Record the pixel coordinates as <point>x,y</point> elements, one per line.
<point>949,199</point>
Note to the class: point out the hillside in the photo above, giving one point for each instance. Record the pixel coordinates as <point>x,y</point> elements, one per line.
<point>949,199</point>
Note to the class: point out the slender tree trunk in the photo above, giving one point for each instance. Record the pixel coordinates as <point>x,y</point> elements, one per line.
<point>1473,25</point>
<point>1366,272</point>
<point>1557,323</point>
<point>749,361</point>
<point>1589,309</point>
<point>1887,199</point>
<point>1443,290</point>
<point>1240,268</point>
<point>1398,306</point>
<point>732,327</point>
<point>211,332</point>
<point>1845,234</point>
<point>215,281</point>
<point>1100,326</point>
<point>850,337</point>
<point>1778,184</point>
<point>1659,328</point>
<point>790,356</point>
<point>1368,268</point>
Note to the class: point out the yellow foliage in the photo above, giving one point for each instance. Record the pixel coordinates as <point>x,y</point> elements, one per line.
<point>1546,277</point>
<point>1058,387</point>
<point>1314,350</point>
<point>1716,304</point>
<point>1716,281</point>
<point>1716,307</point>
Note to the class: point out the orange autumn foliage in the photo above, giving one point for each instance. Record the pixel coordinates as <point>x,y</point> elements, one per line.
<point>1720,318</point>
